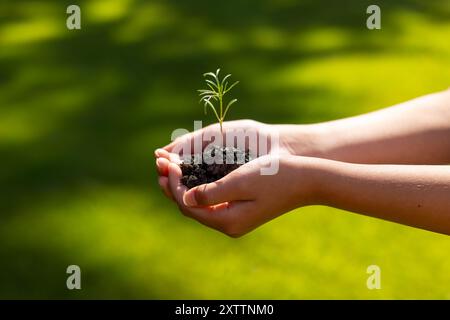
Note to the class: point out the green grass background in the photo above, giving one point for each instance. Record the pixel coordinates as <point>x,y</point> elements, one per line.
<point>82,111</point>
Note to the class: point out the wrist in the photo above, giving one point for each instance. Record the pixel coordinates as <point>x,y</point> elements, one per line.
<point>330,177</point>
<point>307,140</point>
<point>309,179</point>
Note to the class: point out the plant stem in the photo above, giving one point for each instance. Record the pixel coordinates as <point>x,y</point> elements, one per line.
<point>221,108</point>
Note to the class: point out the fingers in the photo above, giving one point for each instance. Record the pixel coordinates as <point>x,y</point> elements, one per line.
<point>164,184</point>
<point>225,217</point>
<point>163,159</point>
<point>230,188</point>
<point>175,184</point>
<point>162,165</point>
<point>185,142</point>
<point>200,138</point>
<point>178,190</point>
<point>196,140</point>
<point>161,153</point>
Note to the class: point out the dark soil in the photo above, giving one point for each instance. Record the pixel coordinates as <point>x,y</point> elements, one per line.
<point>204,170</point>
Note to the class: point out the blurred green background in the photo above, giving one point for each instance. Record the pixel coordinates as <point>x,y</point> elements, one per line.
<point>82,111</point>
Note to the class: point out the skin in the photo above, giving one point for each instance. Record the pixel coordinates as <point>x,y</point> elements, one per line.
<point>383,164</point>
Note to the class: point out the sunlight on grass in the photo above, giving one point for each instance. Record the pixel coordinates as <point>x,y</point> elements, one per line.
<point>30,31</point>
<point>142,23</point>
<point>219,41</point>
<point>101,11</point>
<point>374,80</point>
<point>267,38</point>
<point>417,28</point>
<point>322,39</point>
<point>29,118</point>
<point>82,112</point>
<point>119,233</point>
<point>370,81</point>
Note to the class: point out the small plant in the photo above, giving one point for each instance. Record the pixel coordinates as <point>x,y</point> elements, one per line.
<point>195,170</point>
<point>213,97</point>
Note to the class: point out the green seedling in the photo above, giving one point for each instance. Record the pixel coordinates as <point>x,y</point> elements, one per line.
<point>213,97</point>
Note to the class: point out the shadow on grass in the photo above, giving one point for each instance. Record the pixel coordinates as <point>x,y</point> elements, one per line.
<point>129,94</point>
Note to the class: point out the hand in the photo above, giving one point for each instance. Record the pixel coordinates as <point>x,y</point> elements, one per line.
<point>245,199</point>
<point>293,140</point>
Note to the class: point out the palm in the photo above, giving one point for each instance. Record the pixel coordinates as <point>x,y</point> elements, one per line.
<point>280,144</point>
<point>274,141</point>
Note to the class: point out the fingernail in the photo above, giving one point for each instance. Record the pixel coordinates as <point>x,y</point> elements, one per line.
<point>159,162</point>
<point>157,152</point>
<point>189,199</point>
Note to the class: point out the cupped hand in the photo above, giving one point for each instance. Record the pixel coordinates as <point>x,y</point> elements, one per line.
<point>245,199</point>
<point>293,140</point>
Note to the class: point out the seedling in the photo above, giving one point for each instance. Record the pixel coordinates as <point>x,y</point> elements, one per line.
<point>196,172</point>
<point>213,97</point>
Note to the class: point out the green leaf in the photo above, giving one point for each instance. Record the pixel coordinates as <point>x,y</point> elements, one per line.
<point>208,92</point>
<point>212,83</point>
<point>211,87</point>
<point>225,78</point>
<point>208,103</point>
<point>231,87</point>
<point>210,74</point>
<point>217,89</point>
<point>228,106</point>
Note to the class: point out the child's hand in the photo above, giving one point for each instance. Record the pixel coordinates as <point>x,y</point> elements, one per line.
<point>293,140</point>
<point>415,132</point>
<point>245,199</point>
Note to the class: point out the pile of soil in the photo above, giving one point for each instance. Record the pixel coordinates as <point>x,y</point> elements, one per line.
<point>197,169</point>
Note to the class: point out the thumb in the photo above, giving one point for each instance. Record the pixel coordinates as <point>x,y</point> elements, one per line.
<point>229,188</point>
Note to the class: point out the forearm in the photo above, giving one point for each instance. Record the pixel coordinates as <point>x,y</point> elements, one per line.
<point>413,195</point>
<point>414,132</point>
